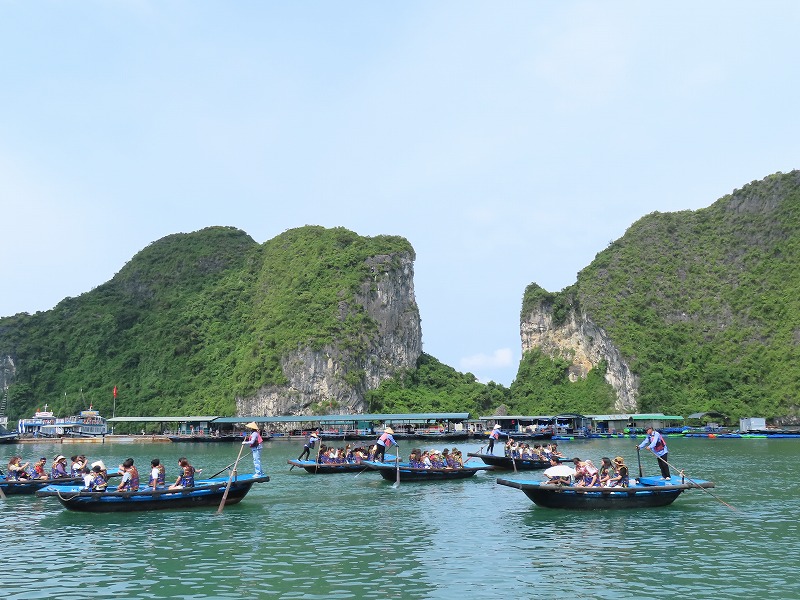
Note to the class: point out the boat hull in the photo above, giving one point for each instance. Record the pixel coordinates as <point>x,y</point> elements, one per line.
<point>205,493</point>
<point>31,486</point>
<point>407,473</point>
<point>326,468</point>
<point>649,494</point>
<point>506,463</point>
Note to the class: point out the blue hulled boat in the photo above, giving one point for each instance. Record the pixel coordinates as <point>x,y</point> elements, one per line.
<point>206,492</point>
<point>14,487</point>
<point>649,492</point>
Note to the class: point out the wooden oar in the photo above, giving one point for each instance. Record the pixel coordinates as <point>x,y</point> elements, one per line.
<point>396,484</point>
<point>2,494</point>
<point>223,470</point>
<point>230,478</point>
<point>683,476</point>
<point>316,465</point>
<point>639,458</point>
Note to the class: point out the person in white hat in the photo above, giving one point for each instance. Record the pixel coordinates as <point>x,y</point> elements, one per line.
<point>311,441</point>
<point>59,468</point>
<point>256,443</point>
<point>385,441</point>
<point>494,435</point>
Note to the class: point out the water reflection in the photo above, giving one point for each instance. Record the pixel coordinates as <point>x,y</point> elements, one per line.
<point>342,536</point>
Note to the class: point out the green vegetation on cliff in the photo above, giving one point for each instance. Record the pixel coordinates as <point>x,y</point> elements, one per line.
<point>704,305</point>
<point>193,320</point>
<point>435,387</point>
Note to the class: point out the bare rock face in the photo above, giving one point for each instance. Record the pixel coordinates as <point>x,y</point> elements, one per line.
<point>337,377</point>
<point>584,344</point>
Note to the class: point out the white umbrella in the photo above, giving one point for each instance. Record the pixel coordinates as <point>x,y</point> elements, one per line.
<point>560,471</point>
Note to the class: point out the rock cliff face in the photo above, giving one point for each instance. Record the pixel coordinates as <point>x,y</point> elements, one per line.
<point>338,376</point>
<point>584,344</point>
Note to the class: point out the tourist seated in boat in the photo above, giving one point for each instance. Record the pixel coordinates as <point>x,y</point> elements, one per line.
<point>77,463</point>
<point>158,474</point>
<point>447,460</point>
<point>39,469</point>
<point>557,479</point>
<point>88,476</point>
<point>99,481</point>
<point>621,477</point>
<point>586,474</point>
<point>17,471</point>
<point>59,468</point>
<point>102,465</point>
<point>186,478</point>
<point>457,457</point>
<point>130,477</point>
<point>415,459</point>
<point>360,454</point>
<point>606,472</point>
<point>555,451</point>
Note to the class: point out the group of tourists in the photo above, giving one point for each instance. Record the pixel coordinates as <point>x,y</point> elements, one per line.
<point>95,475</point>
<point>433,459</point>
<point>59,469</point>
<point>522,451</point>
<point>610,473</point>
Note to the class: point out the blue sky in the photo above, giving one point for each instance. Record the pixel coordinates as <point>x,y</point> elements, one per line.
<point>509,142</point>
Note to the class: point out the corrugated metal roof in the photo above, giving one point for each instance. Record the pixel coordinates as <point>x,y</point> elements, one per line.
<point>622,417</point>
<point>515,417</point>
<point>392,417</point>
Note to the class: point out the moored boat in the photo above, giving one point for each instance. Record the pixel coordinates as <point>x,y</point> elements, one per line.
<point>389,471</point>
<point>649,492</point>
<point>7,437</point>
<point>206,492</point>
<point>511,464</point>
<point>33,425</point>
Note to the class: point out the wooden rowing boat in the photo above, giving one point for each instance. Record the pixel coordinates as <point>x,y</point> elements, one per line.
<point>649,492</point>
<point>389,471</point>
<point>206,492</point>
<point>326,468</point>
<point>509,464</point>
<point>30,486</point>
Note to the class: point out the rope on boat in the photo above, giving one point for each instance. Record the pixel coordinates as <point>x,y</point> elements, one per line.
<point>72,497</point>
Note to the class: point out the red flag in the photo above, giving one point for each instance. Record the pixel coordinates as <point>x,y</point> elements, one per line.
<point>115,391</point>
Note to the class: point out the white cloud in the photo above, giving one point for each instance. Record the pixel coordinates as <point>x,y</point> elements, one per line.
<point>500,358</point>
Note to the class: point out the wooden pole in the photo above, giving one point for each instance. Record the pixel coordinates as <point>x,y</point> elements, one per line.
<point>230,478</point>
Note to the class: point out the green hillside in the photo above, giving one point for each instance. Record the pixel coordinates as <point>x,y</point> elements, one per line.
<point>191,321</point>
<point>703,304</point>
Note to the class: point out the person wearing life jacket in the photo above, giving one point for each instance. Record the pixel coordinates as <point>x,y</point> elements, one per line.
<point>311,441</point>
<point>186,478</point>
<point>158,474</point>
<point>130,477</point>
<point>385,441</point>
<point>255,441</point>
<point>98,481</point>
<point>59,468</point>
<point>621,469</point>
<point>656,444</point>
<point>17,471</point>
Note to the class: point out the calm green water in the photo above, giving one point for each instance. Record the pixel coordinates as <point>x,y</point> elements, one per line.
<point>341,536</point>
